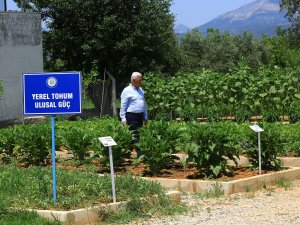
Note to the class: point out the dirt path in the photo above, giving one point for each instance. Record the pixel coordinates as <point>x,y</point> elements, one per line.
<point>273,205</point>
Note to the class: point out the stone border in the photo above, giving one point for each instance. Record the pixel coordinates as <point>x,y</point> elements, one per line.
<point>285,161</point>
<point>229,187</point>
<point>290,161</point>
<point>91,215</point>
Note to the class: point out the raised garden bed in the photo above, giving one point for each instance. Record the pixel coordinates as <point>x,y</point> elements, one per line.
<point>241,179</point>
<point>230,187</point>
<point>285,161</point>
<point>90,215</point>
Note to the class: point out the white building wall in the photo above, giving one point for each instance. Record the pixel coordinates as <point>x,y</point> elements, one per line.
<point>20,52</point>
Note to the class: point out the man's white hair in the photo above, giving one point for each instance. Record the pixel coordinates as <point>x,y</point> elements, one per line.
<point>135,75</point>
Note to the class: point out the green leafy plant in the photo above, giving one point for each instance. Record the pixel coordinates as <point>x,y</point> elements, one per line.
<point>271,144</point>
<point>158,143</point>
<point>121,134</point>
<point>294,110</point>
<point>77,137</point>
<point>81,138</point>
<point>210,146</point>
<point>242,92</point>
<point>30,144</point>
<point>291,135</point>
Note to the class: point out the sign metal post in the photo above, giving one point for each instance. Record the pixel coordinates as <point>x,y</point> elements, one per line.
<point>53,157</point>
<point>109,142</point>
<point>51,94</point>
<point>258,130</point>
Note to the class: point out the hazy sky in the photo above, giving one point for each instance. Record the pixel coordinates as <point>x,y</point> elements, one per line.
<point>11,5</point>
<point>192,13</point>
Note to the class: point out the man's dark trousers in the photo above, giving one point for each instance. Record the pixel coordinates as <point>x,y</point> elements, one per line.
<point>135,121</point>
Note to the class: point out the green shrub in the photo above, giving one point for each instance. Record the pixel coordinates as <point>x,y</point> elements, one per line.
<point>30,144</point>
<point>121,134</point>
<point>271,144</point>
<point>77,137</point>
<point>290,137</point>
<point>81,138</point>
<point>271,92</point>
<point>158,142</point>
<point>211,145</point>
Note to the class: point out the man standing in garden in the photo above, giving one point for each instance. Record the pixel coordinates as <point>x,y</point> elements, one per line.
<point>133,110</point>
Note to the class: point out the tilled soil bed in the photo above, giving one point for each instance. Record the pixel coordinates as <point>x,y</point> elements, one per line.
<point>191,172</point>
<point>175,171</point>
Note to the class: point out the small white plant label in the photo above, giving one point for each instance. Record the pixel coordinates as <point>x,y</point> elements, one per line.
<point>256,128</point>
<point>107,141</point>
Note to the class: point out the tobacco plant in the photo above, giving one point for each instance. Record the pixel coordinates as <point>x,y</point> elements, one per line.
<point>30,144</point>
<point>270,92</point>
<point>77,137</point>
<point>293,140</point>
<point>81,138</point>
<point>121,134</point>
<point>158,143</point>
<point>271,144</point>
<point>211,145</point>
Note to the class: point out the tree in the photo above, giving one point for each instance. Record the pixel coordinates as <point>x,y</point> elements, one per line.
<point>293,12</point>
<point>253,51</point>
<point>215,51</point>
<point>283,54</point>
<point>117,35</point>
<point>192,49</point>
<point>221,51</point>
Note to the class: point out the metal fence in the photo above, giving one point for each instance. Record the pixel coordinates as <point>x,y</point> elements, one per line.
<point>99,99</point>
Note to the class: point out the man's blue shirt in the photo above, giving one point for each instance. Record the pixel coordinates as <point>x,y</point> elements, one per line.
<point>133,100</point>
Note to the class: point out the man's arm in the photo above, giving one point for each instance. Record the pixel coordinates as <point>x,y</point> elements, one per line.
<point>145,113</point>
<point>124,101</point>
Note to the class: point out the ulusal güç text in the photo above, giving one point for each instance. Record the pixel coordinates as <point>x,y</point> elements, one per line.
<point>56,100</point>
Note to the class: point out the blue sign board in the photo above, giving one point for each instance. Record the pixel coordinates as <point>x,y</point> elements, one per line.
<point>52,93</point>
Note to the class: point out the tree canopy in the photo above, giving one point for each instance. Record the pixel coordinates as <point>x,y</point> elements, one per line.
<point>293,12</point>
<point>116,35</point>
<point>222,51</point>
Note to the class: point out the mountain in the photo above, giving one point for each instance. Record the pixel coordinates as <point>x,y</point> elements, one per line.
<point>259,17</point>
<point>180,28</point>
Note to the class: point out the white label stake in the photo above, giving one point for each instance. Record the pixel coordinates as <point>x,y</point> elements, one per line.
<point>109,141</point>
<point>258,129</point>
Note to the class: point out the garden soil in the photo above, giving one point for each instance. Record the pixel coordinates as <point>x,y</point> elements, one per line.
<point>175,171</point>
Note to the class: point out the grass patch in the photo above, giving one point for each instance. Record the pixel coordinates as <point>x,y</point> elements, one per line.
<point>215,192</point>
<point>281,182</point>
<point>142,209</point>
<point>25,218</point>
<point>32,188</point>
<point>9,216</point>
